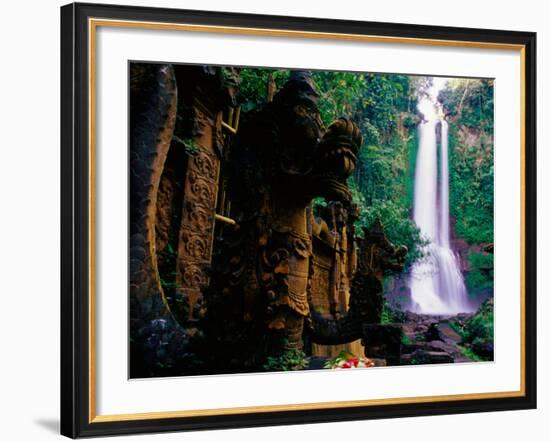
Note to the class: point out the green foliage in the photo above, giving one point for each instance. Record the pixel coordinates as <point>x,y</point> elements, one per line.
<point>470,354</point>
<point>469,105</point>
<point>381,105</point>
<point>391,315</point>
<point>188,144</point>
<point>374,101</point>
<point>289,361</point>
<point>477,332</point>
<point>471,101</point>
<point>168,281</point>
<point>167,275</point>
<point>409,182</point>
<point>410,121</point>
<point>253,86</point>
<point>471,191</point>
<point>481,275</point>
<point>480,326</point>
<point>382,177</point>
<point>318,203</point>
<point>342,357</point>
<point>399,228</point>
<point>348,360</point>
<point>456,327</point>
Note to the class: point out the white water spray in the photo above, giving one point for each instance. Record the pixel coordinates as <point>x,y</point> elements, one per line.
<point>436,283</point>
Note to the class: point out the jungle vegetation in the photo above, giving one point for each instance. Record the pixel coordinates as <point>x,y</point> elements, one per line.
<point>468,104</point>
<point>384,106</point>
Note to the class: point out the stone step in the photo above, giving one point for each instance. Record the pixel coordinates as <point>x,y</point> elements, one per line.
<point>420,357</point>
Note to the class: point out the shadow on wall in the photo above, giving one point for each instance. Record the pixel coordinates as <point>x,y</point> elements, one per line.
<point>49,424</point>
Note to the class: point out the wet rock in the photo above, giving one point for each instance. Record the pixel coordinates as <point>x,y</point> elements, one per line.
<point>447,333</point>
<point>317,363</point>
<point>379,362</point>
<point>420,357</point>
<point>461,318</point>
<point>433,333</point>
<point>484,349</point>
<point>431,346</point>
<point>383,341</point>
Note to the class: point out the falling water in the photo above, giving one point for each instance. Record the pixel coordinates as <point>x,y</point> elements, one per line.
<point>437,285</point>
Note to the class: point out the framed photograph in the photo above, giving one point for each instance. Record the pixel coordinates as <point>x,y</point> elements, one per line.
<point>275,220</point>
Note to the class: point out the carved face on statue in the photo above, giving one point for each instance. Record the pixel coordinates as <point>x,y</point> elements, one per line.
<point>379,256</point>
<point>300,125</point>
<point>336,159</point>
<point>281,158</point>
<point>311,159</point>
<point>285,150</point>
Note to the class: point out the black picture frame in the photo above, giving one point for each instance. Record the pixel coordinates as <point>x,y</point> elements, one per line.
<point>76,418</point>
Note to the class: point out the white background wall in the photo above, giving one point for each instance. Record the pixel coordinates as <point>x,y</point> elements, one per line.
<point>29,221</point>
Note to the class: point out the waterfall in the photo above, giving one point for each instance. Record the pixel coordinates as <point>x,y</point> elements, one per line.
<point>436,282</point>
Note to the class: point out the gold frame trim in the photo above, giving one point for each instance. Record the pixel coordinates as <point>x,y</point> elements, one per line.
<point>93,24</point>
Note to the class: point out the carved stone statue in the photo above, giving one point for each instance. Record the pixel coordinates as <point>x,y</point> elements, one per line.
<point>229,264</point>
<point>378,258</point>
<point>176,145</point>
<point>282,159</point>
<point>333,265</point>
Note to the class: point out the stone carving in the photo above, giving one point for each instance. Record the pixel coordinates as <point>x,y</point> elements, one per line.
<point>201,191</point>
<point>205,165</point>
<point>197,225</point>
<point>175,152</point>
<point>196,246</point>
<point>378,258</point>
<point>153,97</point>
<point>334,245</point>
<point>281,159</point>
<point>227,296</point>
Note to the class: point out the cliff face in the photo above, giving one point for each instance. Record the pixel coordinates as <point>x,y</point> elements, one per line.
<point>472,202</point>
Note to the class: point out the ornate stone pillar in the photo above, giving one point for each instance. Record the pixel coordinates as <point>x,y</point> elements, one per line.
<point>198,211</point>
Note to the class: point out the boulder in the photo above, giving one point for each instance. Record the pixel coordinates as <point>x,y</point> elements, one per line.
<point>433,333</point>
<point>383,341</point>
<point>484,349</point>
<point>420,357</point>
